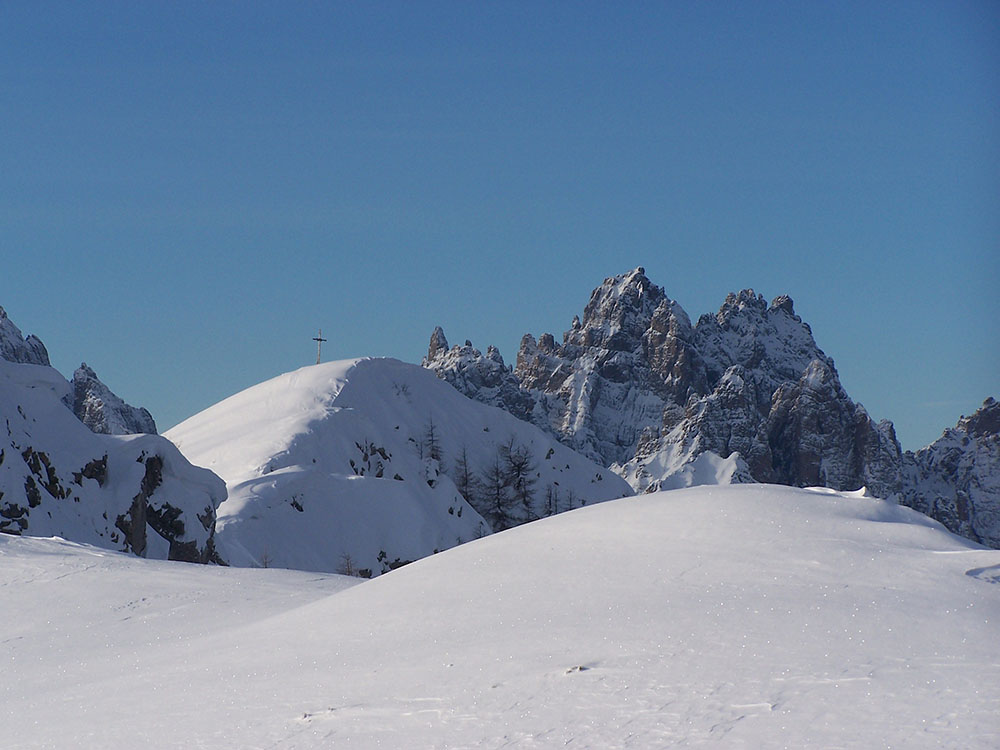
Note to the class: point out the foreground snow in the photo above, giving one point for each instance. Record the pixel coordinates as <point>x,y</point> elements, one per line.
<point>745,616</point>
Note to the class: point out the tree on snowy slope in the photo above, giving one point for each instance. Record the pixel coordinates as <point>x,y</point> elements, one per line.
<point>496,501</point>
<point>464,477</point>
<point>522,475</point>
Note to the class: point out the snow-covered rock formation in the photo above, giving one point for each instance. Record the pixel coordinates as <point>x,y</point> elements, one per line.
<point>636,386</point>
<point>744,395</point>
<point>15,347</point>
<point>362,465</point>
<point>91,400</point>
<point>104,412</point>
<point>57,478</point>
<point>956,479</point>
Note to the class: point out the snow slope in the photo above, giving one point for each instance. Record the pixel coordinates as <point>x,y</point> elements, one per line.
<point>746,616</point>
<point>330,467</point>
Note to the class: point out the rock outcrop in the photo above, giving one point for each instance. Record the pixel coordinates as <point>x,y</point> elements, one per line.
<point>102,411</point>
<point>956,479</point>
<point>57,478</point>
<point>15,347</point>
<point>91,401</point>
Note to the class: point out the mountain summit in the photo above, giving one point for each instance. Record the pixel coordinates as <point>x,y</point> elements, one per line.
<point>743,395</point>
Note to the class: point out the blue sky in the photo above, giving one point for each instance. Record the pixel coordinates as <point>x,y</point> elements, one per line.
<point>189,190</point>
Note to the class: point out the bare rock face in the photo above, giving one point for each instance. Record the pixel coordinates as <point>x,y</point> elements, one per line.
<point>956,479</point>
<point>102,411</point>
<point>814,435</point>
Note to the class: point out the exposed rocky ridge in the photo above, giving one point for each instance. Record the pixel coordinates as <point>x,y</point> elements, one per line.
<point>635,379</point>
<point>102,411</point>
<point>57,478</point>
<point>636,387</point>
<point>956,479</point>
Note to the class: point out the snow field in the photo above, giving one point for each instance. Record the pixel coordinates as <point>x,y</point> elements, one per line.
<point>746,616</point>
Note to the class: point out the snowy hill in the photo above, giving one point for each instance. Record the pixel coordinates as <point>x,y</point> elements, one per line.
<point>362,465</point>
<point>57,478</point>
<point>746,616</point>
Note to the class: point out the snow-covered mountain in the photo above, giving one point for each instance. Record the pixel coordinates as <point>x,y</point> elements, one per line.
<point>744,395</point>
<point>636,386</point>
<point>744,617</point>
<point>57,478</point>
<point>362,465</point>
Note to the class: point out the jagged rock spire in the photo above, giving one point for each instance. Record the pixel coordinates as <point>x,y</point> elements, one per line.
<point>438,345</point>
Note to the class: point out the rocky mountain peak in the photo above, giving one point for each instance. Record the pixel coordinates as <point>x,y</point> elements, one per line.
<point>635,386</point>
<point>618,312</point>
<point>439,344</point>
<point>14,347</point>
<point>104,412</point>
<point>770,339</point>
<point>783,302</point>
<point>985,422</point>
<point>91,401</point>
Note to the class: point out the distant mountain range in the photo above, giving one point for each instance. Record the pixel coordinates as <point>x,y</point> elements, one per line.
<point>744,395</point>
<point>364,465</point>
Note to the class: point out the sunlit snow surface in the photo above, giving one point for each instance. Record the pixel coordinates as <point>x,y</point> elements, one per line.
<point>291,453</point>
<point>747,616</point>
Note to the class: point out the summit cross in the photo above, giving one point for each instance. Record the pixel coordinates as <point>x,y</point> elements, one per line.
<point>319,344</point>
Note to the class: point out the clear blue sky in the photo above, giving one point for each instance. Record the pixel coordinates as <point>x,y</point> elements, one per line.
<point>188,190</point>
